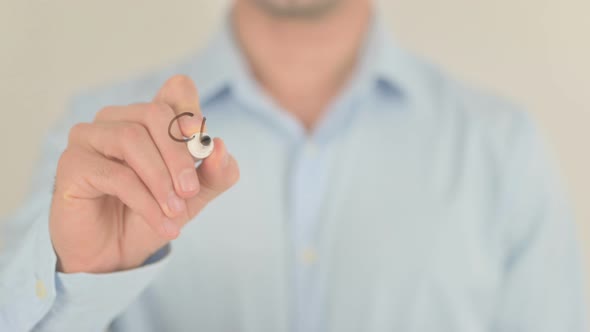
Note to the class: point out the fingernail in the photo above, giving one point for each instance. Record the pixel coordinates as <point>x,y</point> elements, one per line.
<point>170,228</point>
<point>175,203</point>
<point>189,181</point>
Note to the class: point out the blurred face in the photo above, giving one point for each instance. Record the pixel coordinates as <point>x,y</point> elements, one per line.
<point>298,8</point>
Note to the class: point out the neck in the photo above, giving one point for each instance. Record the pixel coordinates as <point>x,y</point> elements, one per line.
<point>303,63</point>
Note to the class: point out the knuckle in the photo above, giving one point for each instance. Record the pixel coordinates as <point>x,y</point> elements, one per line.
<point>127,178</point>
<point>104,113</point>
<point>68,165</point>
<point>67,157</point>
<point>180,81</point>
<point>132,133</point>
<point>62,169</point>
<point>100,168</point>
<point>157,113</point>
<point>162,107</point>
<point>119,173</point>
<point>104,171</point>
<point>77,131</point>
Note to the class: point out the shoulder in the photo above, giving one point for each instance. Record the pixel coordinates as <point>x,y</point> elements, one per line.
<point>462,110</point>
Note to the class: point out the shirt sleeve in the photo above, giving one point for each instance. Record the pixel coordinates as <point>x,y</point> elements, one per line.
<point>36,297</point>
<point>543,286</point>
<point>90,302</point>
<point>33,296</point>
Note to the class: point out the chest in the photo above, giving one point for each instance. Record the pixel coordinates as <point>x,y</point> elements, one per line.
<point>405,239</point>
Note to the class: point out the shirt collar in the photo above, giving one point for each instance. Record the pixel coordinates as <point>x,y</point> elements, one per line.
<point>221,67</point>
<point>386,60</point>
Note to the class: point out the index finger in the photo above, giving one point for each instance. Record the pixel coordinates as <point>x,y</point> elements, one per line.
<point>180,93</point>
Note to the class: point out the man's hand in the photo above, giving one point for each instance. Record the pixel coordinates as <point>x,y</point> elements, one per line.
<point>124,188</point>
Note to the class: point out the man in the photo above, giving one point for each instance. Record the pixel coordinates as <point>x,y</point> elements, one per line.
<point>376,194</point>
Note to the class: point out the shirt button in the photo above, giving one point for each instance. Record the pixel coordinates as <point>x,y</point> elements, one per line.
<point>40,290</point>
<point>311,150</point>
<point>309,256</point>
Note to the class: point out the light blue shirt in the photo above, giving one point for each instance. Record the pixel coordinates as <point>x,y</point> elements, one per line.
<point>417,204</point>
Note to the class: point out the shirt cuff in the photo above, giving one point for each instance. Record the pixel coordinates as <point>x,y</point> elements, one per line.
<point>27,278</point>
<point>34,296</point>
<point>92,301</point>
